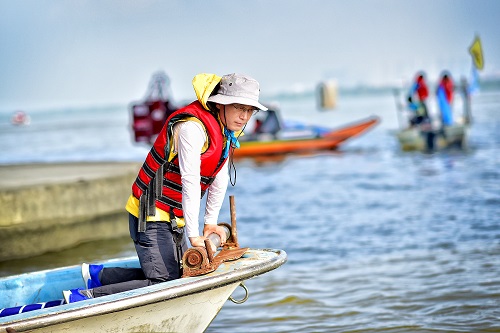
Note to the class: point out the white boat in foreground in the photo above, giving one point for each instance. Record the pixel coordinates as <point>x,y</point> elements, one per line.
<point>183,305</point>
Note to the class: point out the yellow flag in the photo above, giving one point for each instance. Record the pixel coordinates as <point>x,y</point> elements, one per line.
<point>476,52</point>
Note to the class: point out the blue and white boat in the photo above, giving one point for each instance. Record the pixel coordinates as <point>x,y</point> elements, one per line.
<point>33,302</point>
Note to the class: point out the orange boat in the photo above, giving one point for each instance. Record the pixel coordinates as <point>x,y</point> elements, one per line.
<point>298,139</point>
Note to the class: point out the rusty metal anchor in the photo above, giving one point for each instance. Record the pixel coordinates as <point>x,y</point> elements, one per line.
<point>202,260</point>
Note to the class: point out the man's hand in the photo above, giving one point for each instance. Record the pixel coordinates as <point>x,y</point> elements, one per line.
<point>200,242</point>
<point>197,241</point>
<point>213,228</point>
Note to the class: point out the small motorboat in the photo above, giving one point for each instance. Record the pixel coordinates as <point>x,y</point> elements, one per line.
<point>33,302</point>
<point>273,136</point>
<point>434,135</point>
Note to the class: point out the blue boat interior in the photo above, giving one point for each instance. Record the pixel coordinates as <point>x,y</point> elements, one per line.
<point>46,286</point>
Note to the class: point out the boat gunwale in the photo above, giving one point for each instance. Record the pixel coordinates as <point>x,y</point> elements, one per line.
<point>147,295</point>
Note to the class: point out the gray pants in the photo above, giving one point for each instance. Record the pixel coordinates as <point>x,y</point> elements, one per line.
<point>158,256</point>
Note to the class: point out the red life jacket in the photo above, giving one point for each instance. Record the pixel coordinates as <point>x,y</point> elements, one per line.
<point>447,85</point>
<point>158,183</point>
<point>422,90</point>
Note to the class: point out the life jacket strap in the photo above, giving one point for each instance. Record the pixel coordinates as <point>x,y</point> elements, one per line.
<point>141,227</point>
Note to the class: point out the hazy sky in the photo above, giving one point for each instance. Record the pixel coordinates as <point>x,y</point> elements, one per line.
<point>81,52</point>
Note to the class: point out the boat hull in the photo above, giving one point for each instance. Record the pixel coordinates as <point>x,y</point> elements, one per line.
<point>415,139</point>
<point>329,141</point>
<point>191,313</point>
<point>183,305</point>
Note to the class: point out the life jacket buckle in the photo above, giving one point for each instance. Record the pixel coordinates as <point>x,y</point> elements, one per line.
<point>173,221</point>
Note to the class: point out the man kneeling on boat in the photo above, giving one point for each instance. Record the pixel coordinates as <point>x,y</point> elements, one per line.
<point>189,157</point>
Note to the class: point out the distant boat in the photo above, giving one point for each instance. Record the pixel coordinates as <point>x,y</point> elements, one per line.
<point>183,305</point>
<point>275,136</point>
<point>454,136</point>
<point>432,137</point>
<point>20,118</point>
<point>149,115</point>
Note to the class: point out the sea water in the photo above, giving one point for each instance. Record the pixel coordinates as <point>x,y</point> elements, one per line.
<point>378,240</point>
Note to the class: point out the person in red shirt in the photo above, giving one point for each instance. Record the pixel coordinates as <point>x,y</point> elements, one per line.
<point>417,100</point>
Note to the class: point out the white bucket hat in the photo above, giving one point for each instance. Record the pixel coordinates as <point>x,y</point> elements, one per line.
<point>238,88</point>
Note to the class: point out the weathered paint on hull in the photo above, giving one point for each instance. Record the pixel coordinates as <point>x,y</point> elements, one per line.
<point>191,313</point>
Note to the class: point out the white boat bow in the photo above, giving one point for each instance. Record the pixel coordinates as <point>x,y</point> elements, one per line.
<point>183,305</point>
